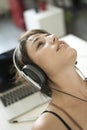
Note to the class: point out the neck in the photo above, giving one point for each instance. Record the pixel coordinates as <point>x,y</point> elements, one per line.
<point>69,82</point>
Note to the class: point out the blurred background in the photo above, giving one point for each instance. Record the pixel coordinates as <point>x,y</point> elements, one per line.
<point>13,24</point>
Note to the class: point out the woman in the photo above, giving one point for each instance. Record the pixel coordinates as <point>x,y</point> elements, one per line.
<point>68,107</point>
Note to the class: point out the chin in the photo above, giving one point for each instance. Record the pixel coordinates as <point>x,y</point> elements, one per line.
<point>72,54</point>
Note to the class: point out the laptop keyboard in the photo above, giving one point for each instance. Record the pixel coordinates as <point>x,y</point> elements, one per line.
<point>17,94</point>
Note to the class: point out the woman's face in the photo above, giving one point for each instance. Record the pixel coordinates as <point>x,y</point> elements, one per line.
<point>51,54</point>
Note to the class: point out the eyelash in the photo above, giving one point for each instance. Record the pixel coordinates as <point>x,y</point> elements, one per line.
<point>39,44</point>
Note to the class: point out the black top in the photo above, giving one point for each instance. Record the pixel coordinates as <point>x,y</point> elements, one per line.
<point>66,125</point>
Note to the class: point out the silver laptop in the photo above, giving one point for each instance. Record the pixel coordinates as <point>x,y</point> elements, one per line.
<point>19,99</point>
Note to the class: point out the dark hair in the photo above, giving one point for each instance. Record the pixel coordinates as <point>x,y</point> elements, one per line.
<point>23,58</point>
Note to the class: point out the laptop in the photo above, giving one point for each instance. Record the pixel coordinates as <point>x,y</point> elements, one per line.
<point>16,100</point>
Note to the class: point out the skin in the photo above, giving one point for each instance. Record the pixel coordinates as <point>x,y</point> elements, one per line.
<point>57,59</point>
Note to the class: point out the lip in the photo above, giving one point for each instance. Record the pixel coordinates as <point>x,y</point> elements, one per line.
<point>59,45</point>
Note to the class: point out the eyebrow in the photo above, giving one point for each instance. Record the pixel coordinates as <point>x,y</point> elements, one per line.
<point>36,39</point>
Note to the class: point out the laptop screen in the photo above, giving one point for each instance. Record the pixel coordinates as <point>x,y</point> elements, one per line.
<point>6,73</point>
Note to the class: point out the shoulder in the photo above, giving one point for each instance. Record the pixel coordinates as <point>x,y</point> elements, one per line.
<point>47,121</point>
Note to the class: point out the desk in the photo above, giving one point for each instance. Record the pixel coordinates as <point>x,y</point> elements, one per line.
<point>81,47</point>
<point>4,125</point>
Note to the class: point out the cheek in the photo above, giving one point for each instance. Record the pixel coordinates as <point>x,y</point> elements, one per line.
<point>45,60</point>
<point>71,54</point>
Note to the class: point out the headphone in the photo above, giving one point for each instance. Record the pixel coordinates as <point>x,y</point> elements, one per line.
<point>30,72</point>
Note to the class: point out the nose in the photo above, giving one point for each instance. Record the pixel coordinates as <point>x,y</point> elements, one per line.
<point>53,38</point>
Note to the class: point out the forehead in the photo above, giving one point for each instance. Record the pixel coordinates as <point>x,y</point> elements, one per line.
<point>32,37</point>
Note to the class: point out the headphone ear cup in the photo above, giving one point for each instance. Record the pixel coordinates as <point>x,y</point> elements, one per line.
<point>35,73</point>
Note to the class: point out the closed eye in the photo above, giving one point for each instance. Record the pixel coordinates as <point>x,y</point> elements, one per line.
<point>39,44</point>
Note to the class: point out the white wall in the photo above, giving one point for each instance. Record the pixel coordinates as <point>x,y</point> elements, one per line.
<point>4,6</point>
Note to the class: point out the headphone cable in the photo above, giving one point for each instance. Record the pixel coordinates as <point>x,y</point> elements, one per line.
<point>69,94</point>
